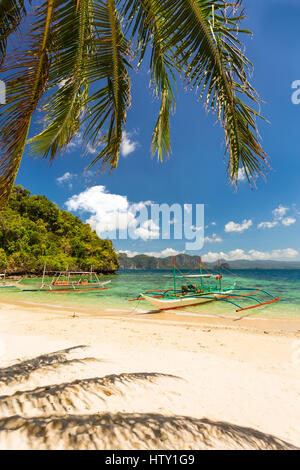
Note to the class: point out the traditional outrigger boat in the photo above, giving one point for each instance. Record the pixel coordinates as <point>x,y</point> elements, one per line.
<point>209,289</point>
<point>67,281</point>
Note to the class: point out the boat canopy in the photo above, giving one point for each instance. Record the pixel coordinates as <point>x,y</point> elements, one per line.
<point>193,275</point>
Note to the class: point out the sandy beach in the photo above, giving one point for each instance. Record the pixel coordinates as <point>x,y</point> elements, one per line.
<point>119,380</point>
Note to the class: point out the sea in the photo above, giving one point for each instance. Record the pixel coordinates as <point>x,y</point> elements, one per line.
<point>126,285</point>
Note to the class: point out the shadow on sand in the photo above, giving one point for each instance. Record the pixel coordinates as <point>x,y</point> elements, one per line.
<point>93,413</point>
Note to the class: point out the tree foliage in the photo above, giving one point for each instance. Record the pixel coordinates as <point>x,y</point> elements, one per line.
<point>33,231</point>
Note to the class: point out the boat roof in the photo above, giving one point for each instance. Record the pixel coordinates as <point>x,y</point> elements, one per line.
<point>70,272</point>
<point>192,275</point>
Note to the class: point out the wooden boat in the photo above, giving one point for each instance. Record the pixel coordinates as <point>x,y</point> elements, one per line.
<point>209,289</point>
<point>68,281</point>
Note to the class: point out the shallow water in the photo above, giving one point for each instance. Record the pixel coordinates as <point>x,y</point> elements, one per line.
<point>128,284</point>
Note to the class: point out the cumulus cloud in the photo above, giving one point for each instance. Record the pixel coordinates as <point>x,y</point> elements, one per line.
<point>267,224</point>
<point>111,212</point>
<point>288,221</point>
<point>279,217</point>
<point>242,175</point>
<point>251,255</point>
<point>280,212</point>
<point>234,227</point>
<point>127,145</point>
<point>148,230</point>
<point>66,178</point>
<point>213,239</point>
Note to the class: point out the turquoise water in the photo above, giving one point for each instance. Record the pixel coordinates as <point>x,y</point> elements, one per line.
<point>125,285</point>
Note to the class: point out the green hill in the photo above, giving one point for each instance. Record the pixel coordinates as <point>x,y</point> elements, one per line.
<point>33,231</point>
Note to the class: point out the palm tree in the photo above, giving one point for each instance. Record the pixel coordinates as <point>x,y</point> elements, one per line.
<point>74,58</point>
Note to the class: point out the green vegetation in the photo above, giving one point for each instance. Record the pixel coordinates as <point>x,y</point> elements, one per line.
<point>33,231</point>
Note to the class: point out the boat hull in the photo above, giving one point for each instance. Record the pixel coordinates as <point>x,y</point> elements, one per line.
<point>64,288</point>
<point>181,302</point>
<point>171,304</point>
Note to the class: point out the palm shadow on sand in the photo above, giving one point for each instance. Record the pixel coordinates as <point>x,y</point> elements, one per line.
<point>57,416</point>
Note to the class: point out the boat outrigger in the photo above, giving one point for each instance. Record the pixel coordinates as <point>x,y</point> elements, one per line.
<point>209,289</point>
<point>67,281</point>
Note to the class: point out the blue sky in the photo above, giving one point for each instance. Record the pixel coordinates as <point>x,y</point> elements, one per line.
<point>196,173</point>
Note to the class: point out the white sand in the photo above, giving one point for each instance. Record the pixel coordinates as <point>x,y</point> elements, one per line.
<point>146,382</point>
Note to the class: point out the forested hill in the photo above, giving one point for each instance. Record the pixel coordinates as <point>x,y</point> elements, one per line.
<point>33,231</point>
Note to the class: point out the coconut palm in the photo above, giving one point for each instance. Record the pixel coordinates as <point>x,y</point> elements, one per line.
<point>74,59</point>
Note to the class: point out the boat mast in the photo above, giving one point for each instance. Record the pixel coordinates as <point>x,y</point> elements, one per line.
<point>174,274</point>
<point>219,273</point>
<point>200,263</point>
<point>44,272</point>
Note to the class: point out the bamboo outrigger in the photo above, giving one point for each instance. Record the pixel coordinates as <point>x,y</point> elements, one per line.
<point>204,292</point>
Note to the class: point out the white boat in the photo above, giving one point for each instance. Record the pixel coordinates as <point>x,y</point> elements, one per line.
<point>209,289</point>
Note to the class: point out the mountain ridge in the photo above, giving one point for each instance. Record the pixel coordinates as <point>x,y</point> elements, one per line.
<point>184,261</point>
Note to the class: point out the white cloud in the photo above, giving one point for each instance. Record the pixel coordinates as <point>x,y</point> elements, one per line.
<point>156,254</point>
<point>147,231</point>
<point>288,221</point>
<point>213,239</point>
<point>75,143</point>
<point>66,178</point>
<point>127,145</point>
<point>111,212</point>
<point>279,217</point>
<point>233,227</point>
<point>242,175</point>
<point>280,212</point>
<point>239,254</point>
<point>129,253</point>
<point>267,224</point>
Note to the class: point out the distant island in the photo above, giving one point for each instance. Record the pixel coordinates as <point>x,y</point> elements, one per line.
<point>183,261</point>
<point>34,231</point>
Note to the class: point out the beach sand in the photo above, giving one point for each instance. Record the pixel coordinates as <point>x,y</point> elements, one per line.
<point>135,380</point>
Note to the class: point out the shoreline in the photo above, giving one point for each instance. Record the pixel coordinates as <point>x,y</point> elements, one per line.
<point>280,325</point>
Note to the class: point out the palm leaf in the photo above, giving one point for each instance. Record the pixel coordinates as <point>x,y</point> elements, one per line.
<point>11,14</point>
<point>108,66</point>
<point>28,73</point>
<point>72,42</point>
<point>205,43</point>
<point>147,25</point>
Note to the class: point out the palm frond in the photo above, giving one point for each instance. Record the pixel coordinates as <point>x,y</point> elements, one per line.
<point>202,35</point>
<point>72,43</point>
<point>26,80</point>
<point>108,66</point>
<point>147,25</point>
<point>11,14</point>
